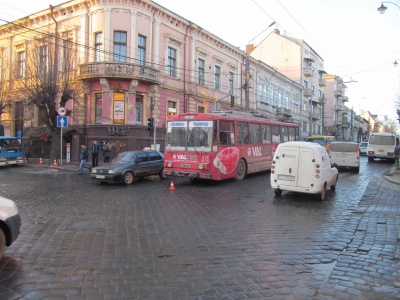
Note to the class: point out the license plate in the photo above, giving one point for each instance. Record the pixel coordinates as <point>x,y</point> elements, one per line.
<point>100,177</point>
<point>185,166</point>
<point>286,177</point>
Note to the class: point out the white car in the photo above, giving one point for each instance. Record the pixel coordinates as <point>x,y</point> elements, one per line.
<point>345,155</point>
<point>10,223</point>
<point>363,148</point>
<point>302,167</point>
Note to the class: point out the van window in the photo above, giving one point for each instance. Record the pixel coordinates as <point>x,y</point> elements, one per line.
<point>382,140</point>
<point>344,147</point>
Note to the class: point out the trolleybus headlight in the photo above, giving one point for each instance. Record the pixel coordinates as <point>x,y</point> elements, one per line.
<point>169,164</point>
<point>201,166</point>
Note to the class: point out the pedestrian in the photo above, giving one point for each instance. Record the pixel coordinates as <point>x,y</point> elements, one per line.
<point>107,152</point>
<point>83,157</point>
<point>95,149</point>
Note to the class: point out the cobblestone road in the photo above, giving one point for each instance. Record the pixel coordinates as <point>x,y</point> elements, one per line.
<point>209,240</point>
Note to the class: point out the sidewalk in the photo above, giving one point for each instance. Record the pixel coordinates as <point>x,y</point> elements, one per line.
<point>393,176</point>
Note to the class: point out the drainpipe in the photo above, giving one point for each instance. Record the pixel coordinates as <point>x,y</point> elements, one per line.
<point>184,67</point>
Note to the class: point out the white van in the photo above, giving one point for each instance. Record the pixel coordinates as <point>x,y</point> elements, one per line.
<point>10,223</point>
<point>345,155</point>
<point>302,167</point>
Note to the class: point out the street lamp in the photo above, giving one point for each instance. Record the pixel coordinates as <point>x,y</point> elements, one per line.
<point>383,8</point>
<point>395,64</point>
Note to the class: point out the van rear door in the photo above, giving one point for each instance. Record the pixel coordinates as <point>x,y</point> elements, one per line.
<point>307,167</point>
<point>286,169</point>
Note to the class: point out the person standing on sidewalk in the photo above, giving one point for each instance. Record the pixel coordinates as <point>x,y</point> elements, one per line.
<point>95,149</point>
<point>83,157</point>
<point>107,153</point>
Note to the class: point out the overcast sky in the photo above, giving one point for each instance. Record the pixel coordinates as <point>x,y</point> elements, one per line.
<point>355,41</point>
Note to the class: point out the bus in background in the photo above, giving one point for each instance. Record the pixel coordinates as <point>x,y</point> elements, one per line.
<point>10,150</point>
<point>382,145</point>
<point>222,145</point>
<point>324,140</point>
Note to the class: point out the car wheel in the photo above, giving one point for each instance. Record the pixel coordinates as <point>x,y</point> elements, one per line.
<point>321,195</point>
<point>2,242</point>
<point>162,175</point>
<point>333,186</point>
<point>278,192</point>
<point>128,178</point>
<point>370,159</point>
<point>357,170</point>
<point>240,170</point>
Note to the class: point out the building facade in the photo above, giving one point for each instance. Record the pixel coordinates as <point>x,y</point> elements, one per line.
<point>133,60</point>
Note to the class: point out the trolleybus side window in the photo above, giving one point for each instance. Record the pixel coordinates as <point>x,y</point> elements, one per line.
<point>226,133</point>
<point>266,134</point>
<point>276,137</point>
<point>255,133</point>
<point>284,134</point>
<point>243,132</point>
<point>292,134</point>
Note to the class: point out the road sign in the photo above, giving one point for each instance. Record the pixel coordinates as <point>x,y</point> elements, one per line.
<point>62,111</point>
<point>62,121</point>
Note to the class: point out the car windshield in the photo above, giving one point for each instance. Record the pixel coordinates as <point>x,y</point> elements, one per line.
<point>124,157</point>
<point>363,144</point>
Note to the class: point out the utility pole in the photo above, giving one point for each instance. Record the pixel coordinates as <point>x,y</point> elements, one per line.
<point>246,84</point>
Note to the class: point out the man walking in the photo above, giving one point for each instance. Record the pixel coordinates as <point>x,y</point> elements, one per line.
<point>95,149</point>
<point>83,157</point>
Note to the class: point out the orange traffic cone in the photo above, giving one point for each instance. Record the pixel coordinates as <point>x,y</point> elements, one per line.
<point>172,187</point>
<point>55,163</point>
<point>40,162</point>
<point>25,160</point>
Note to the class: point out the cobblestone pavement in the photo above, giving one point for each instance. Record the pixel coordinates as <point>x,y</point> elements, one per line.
<point>226,240</point>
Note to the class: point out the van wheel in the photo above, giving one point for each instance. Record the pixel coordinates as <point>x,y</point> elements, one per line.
<point>2,242</point>
<point>370,159</point>
<point>321,196</point>
<point>128,178</point>
<point>333,187</point>
<point>240,170</point>
<point>357,170</point>
<point>278,192</point>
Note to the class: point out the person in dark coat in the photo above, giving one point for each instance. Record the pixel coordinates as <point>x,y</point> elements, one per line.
<point>95,149</point>
<point>83,157</point>
<point>107,153</point>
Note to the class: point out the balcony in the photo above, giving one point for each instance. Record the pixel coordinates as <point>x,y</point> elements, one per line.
<point>339,108</point>
<point>308,71</point>
<point>345,123</point>
<point>345,99</point>
<point>307,93</point>
<point>338,123</point>
<point>338,93</point>
<point>316,116</point>
<point>119,70</point>
<point>322,82</point>
<point>284,111</point>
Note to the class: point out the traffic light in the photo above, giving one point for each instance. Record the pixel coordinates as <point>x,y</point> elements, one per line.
<point>150,123</point>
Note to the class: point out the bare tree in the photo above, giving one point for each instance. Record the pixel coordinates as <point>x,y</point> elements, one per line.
<point>44,80</point>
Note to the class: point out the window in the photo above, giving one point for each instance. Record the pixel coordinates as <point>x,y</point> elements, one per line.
<point>171,62</point>
<point>266,134</point>
<point>230,83</point>
<point>120,46</point>
<point>243,133</point>
<point>139,108</point>
<point>43,57</point>
<point>255,133</point>
<point>99,108</point>
<point>141,50</point>
<point>292,134</point>
<point>217,77</point>
<point>201,72</point>
<point>67,59</point>
<point>98,46</point>
<point>119,108</point>
<point>276,134</point>
<point>226,133</point>
<point>142,157</point>
<point>285,134</point>
<point>21,64</point>
<point>201,109</point>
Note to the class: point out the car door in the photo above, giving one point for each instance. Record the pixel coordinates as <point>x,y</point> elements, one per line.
<point>142,164</point>
<point>155,162</point>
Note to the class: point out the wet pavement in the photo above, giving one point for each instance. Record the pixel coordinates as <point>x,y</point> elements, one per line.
<point>228,240</point>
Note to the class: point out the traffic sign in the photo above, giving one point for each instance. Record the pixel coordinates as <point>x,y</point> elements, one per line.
<point>62,121</point>
<point>62,111</point>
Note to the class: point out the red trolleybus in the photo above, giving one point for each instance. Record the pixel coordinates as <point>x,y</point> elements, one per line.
<point>222,145</point>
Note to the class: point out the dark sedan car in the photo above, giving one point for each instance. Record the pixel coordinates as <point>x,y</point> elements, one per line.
<point>129,165</point>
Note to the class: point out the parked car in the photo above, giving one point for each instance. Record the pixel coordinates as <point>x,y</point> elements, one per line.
<point>129,165</point>
<point>363,148</point>
<point>10,223</point>
<point>303,167</point>
<point>345,155</point>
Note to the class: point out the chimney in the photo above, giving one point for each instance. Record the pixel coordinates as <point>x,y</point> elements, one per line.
<point>249,48</point>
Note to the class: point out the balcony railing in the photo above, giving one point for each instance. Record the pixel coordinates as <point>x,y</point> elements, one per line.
<point>322,82</point>
<point>316,116</point>
<point>307,92</point>
<point>119,70</point>
<point>307,71</point>
<point>345,123</point>
<point>345,99</point>
<point>284,111</point>
<point>338,93</point>
<point>339,107</point>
